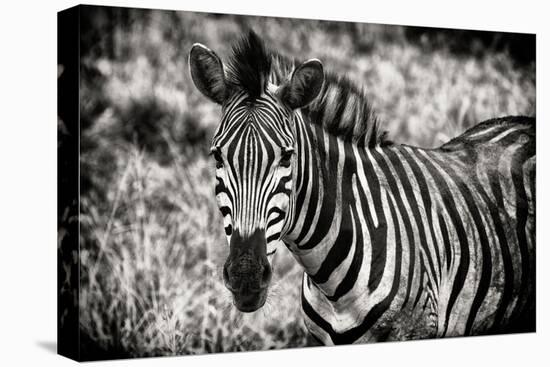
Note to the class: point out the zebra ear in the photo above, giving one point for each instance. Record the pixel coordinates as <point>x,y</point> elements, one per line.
<point>206,70</point>
<point>304,85</point>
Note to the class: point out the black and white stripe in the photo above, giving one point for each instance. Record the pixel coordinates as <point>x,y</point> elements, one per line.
<point>252,192</point>
<point>396,242</point>
<point>442,238</point>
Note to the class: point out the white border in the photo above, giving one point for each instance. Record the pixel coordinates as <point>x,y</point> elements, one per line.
<point>28,181</point>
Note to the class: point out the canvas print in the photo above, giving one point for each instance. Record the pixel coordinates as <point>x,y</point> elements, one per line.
<point>238,183</point>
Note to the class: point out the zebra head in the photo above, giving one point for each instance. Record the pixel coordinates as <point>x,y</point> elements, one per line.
<point>254,148</point>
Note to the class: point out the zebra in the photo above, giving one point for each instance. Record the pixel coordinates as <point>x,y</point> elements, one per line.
<point>396,242</point>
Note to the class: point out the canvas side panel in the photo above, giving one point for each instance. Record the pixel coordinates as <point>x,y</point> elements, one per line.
<point>68,183</point>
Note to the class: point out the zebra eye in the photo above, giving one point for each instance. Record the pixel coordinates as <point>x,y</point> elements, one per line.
<point>285,157</point>
<point>217,156</point>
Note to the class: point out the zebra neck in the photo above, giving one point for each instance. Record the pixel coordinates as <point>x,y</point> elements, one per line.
<point>349,207</point>
<point>327,228</point>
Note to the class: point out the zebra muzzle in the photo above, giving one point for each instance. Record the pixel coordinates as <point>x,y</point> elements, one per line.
<point>247,275</point>
<point>244,276</point>
<point>249,288</point>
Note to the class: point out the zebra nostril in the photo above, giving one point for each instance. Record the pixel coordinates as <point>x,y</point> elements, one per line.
<point>226,274</point>
<point>266,276</point>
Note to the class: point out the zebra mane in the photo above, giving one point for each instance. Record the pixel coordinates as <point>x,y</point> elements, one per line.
<point>341,108</point>
<point>249,65</point>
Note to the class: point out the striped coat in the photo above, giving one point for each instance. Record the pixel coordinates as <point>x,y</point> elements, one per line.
<point>419,243</point>
<point>396,242</point>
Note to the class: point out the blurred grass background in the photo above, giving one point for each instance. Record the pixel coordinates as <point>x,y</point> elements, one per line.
<point>152,242</point>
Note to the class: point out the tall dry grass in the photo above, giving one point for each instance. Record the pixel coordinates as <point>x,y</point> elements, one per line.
<point>153,285</point>
<point>152,241</point>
